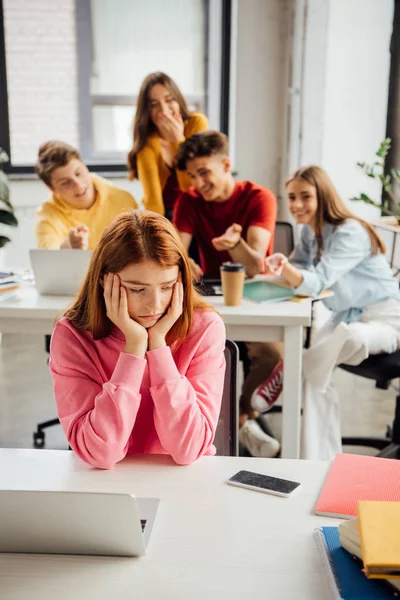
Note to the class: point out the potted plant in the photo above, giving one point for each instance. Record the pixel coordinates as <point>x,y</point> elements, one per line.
<point>377,171</point>
<point>7,216</point>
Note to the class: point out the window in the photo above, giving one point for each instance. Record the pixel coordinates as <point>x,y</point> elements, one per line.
<point>119,43</point>
<point>72,69</point>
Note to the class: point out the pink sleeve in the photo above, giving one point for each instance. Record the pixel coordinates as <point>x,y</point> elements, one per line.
<point>186,409</point>
<point>97,416</point>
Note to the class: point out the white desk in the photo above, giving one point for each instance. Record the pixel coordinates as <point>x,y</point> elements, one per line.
<point>210,540</point>
<point>284,321</point>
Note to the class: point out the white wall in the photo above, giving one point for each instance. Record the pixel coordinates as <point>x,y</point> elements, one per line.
<point>262,75</point>
<point>356,94</point>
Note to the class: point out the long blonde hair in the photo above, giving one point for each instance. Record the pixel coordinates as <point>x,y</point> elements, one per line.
<point>331,208</point>
<point>133,237</point>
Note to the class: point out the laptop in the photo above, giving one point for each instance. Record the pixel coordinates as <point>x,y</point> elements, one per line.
<point>209,287</point>
<point>59,272</point>
<point>47,522</point>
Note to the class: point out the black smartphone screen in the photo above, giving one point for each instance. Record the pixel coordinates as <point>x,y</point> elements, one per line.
<point>265,482</point>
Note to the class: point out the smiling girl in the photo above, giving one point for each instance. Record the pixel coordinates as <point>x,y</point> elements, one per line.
<point>342,253</point>
<point>162,122</point>
<point>138,361</point>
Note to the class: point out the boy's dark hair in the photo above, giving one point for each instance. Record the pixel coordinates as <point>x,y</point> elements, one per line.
<point>53,154</point>
<point>201,144</point>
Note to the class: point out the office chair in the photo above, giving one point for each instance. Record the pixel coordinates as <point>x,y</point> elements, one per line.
<point>39,436</point>
<point>226,440</point>
<point>226,435</point>
<point>284,238</point>
<point>382,368</point>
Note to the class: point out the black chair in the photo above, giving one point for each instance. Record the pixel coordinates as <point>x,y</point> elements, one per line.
<point>382,368</point>
<point>226,440</point>
<point>284,238</point>
<point>39,436</point>
<point>226,435</point>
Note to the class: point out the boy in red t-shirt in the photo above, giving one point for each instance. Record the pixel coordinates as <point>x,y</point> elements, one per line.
<point>230,221</point>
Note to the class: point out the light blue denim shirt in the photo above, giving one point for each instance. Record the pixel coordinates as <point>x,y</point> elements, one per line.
<point>346,267</point>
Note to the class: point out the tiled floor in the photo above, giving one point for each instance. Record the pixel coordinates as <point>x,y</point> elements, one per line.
<point>26,397</point>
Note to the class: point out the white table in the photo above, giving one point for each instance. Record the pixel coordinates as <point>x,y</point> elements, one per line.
<point>210,540</point>
<point>283,321</point>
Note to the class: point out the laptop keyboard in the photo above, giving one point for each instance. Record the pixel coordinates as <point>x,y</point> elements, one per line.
<point>206,289</point>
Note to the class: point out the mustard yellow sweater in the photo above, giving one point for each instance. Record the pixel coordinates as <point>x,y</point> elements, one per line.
<point>152,170</point>
<point>55,217</point>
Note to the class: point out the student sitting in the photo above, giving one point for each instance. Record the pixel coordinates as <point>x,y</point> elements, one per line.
<point>162,121</point>
<point>230,221</point>
<point>81,204</point>
<point>138,361</point>
<point>342,253</point>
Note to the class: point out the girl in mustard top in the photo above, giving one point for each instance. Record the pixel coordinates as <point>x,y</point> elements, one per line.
<point>162,122</point>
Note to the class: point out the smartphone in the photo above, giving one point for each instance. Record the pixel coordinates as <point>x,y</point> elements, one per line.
<point>264,483</point>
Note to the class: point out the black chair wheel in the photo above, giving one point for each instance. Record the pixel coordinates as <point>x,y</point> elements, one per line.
<point>38,440</point>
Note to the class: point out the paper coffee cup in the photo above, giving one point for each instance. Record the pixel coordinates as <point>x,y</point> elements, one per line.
<point>232,278</point>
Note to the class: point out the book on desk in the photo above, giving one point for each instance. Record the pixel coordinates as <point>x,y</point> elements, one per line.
<point>353,477</point>
<point>344,575</point>
<point>267,289</point>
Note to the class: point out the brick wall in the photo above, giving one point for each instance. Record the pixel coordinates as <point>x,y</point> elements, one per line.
<point>41,74</point>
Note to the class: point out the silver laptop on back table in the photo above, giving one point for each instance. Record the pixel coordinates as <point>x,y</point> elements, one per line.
<point>59,272</point>
<point>45,522</point>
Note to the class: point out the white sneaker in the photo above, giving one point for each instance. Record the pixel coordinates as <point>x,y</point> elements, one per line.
<point>257,442</point>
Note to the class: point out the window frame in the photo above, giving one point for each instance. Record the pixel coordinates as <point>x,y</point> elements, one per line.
<point>213,37</point>
<point>88,101</point>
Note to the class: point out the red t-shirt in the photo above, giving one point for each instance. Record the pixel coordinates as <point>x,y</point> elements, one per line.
<point>249,205</point>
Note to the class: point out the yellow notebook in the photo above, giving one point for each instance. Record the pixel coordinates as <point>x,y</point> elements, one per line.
<point>379,528</point>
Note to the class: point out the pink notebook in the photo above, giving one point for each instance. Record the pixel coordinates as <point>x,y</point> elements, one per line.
<point>351,478</point>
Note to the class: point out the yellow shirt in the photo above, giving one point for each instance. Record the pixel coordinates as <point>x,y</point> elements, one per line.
<point>55,217</point>
<point>152,170</point>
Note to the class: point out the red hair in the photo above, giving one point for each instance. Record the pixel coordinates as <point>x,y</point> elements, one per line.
<point>133,237</point>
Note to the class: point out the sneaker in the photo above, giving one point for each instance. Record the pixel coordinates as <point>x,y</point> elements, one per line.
<point>268,392</point>
<point>257,442</point>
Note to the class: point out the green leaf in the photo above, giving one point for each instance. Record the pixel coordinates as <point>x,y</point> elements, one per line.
<point>365,198</point>
<point>395,173</point>
<point>4,240</point>
<point>4,158</point>
<point>4,189</point>
<point>7,218</point>
<point>384,148</point>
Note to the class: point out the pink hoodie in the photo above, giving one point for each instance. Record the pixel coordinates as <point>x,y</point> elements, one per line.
<point>111,403</point>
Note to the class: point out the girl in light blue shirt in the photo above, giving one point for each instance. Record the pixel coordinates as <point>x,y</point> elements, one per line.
<point>342,253</point>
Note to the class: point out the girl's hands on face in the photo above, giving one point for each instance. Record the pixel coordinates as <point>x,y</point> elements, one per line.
<point>117,311</point>
<point>171,127</point>
<point>158,332</point>
<point>275,264</point>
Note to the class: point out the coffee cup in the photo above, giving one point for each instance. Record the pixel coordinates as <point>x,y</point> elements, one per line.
<point>232,278</point>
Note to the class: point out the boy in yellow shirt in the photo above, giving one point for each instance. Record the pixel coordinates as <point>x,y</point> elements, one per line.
<point>81,204</point>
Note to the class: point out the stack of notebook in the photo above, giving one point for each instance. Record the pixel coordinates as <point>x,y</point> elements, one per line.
<point>362,556</point>
<point>344,571</point>
<point>8,286</point>
<point>374,537</point>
